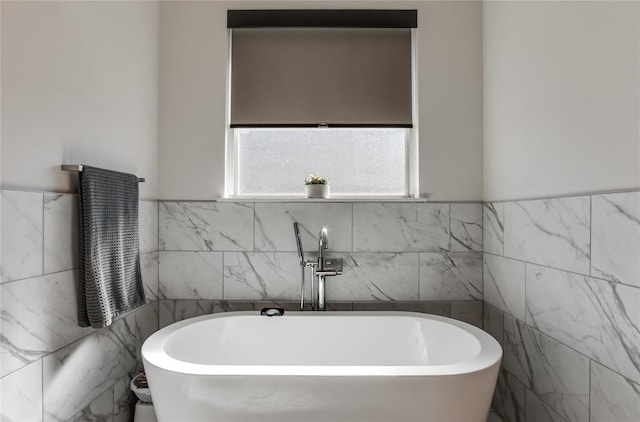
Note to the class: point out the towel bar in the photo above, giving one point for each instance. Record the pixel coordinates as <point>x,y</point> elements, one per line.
<point>79,167</point>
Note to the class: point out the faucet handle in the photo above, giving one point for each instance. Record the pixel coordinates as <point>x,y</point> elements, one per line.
<point>332,266</point>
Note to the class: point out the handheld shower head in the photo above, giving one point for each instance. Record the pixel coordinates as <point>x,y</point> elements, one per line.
<point>296,231</point>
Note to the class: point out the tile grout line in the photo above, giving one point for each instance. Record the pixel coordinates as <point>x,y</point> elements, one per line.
<point>42,385</point>
<point>590,235</point>
<point>573,349</point>
<point>43,230</point>
<point>564,270</point>
<point>590,380</point>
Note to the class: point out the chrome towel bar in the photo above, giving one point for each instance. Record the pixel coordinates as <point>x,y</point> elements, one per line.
<point>79,168</point>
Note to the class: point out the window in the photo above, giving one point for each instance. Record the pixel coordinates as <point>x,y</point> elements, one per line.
<point>321,91</point>
<point>357,161</point>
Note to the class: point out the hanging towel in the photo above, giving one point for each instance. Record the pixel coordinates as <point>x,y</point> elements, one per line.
<point>110,282</point>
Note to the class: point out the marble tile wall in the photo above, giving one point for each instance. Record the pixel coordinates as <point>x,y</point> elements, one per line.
<point>50,368</point>
<point>559,278</point>
<point>178,309</point>
<point>246,251</point>
<point>562,295</point>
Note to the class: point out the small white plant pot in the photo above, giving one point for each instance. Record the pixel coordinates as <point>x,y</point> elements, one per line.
<point>317,191</point>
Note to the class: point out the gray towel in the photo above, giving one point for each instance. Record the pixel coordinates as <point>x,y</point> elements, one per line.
<point>110,280</point>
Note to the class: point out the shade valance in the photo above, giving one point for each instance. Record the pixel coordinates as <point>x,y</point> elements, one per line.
<point>306,76</point>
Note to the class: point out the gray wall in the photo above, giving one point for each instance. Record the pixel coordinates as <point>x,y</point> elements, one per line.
<point>193,74</point>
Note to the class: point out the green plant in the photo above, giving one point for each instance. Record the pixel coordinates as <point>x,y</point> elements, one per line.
<point>316,179</point>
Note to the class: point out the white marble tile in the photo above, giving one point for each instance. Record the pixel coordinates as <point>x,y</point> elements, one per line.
<point>376,276</point>
<point>123,400</point>
<point>101,409</point>
<point>149,269</point>
<point>205,226</point>
<point>146,324</point>
<point>493,322</point>
<point>551,232</point>
<point>170,311</point>
<point>261,275</point>
<point>509,398</point>
<point>613,397</point>
<point>191,275</point>
<point>595,317</point>
<point>75,376</point>
<point>274,226</point>
<point>394,227</point>
<point>615,237</point>
<point>39,315</point>
<point>559,375</point>
<point>493,228</point>
<point>504,285</point>
<point>538,411</point>
<point>148,226</point>
<point>61,229</point>
<point>466,227</point>
<point>450,276</point>
<point>22,234</point>
<point>177,310</point>
<point>468,311</point>
<point>21,394</point>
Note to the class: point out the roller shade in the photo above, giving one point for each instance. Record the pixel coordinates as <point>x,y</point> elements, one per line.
<point>292,76</point>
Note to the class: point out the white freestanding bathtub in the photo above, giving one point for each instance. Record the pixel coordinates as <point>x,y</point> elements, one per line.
<point>321,366</point>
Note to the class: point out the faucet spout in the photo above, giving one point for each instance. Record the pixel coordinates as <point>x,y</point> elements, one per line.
<point>323,243</point>
<point>320,269</point>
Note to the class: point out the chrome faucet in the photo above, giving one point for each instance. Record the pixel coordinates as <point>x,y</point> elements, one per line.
<point>323,267</point>
<point>323,242</point>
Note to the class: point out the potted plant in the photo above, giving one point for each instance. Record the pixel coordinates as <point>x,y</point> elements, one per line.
<point>316,186</point>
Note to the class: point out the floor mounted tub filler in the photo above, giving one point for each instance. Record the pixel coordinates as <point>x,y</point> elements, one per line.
<point>321,366</point>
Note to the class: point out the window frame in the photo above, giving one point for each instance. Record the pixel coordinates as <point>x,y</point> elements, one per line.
<point>412,190</point>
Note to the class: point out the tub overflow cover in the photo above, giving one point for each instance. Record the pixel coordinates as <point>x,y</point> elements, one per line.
<point>272,311</point>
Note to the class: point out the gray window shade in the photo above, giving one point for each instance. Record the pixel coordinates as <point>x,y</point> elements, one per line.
<point>307,76</point>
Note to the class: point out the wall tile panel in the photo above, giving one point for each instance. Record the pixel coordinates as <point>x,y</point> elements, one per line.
<point>504,284</point>
<point>22,235</point>
<point>395,227</point>
<point>451,276</point>
<point>466,227</point>
<point>551,232</point>
<point>205,226</point>
<point>61,232</point>
<point>76,375</point>
<point>39,316</point>
<point>557,374</point>
<point>613,397</point>
<point>615,237</point>
<point>190,275</point>
<point>375,277</point>
<point>595,317</point>
<point>21,394</point>
<point>493,228</point>
<point>274,226</point>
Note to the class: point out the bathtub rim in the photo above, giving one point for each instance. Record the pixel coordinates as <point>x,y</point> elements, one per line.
<point>490,354</point>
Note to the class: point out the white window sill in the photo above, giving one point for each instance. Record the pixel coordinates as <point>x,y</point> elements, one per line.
<point>331,199</point>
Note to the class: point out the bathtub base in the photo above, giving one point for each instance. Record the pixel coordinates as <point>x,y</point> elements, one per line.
<point>461,398</point>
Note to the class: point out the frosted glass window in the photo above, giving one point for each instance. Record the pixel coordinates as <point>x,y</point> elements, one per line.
<point>357,161</point>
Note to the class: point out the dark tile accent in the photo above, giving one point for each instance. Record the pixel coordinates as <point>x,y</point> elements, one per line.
<point>437,308</point>
<point>467,311</point>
